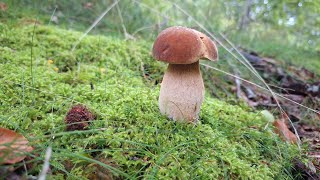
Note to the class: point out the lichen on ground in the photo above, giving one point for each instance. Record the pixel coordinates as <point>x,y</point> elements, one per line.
<point>41,78</point>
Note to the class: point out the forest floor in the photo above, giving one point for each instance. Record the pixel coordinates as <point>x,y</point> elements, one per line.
<point>290,71</point>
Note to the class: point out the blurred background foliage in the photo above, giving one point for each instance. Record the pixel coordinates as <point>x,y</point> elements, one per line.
<point>298,22</point>
<point>286,30</point>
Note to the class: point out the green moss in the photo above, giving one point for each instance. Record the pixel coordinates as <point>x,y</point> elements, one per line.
<point>118,81</point>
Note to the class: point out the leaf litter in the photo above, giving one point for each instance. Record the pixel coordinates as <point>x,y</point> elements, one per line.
<point>13,147</point>
<point>297,84</point>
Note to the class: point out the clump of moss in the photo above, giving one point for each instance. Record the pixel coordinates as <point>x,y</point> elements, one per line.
<point>229,141</point>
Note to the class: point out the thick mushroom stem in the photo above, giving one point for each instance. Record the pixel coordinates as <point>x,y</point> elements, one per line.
<point>182,92</point>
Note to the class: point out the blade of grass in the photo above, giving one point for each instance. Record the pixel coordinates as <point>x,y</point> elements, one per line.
<point>94,24</point>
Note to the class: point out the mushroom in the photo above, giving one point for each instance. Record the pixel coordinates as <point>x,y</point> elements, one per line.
<point>182,88</point>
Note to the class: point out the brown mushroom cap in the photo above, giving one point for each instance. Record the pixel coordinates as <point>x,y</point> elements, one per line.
<point>181,45</point>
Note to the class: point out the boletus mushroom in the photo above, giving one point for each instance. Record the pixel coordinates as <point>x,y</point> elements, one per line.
<point>182,88</point>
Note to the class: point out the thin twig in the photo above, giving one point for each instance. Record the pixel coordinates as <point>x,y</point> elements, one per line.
<point>45,168</point>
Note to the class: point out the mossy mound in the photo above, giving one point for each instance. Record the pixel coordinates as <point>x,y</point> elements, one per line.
<point>41,78</point>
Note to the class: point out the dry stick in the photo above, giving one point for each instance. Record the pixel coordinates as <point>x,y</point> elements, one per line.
<point>25,168</point>
<point>246,65</point>
<point>94,24</point>
<point>45,168</point>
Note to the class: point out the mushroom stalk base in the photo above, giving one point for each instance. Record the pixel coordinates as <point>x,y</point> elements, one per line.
<point>182,92</point>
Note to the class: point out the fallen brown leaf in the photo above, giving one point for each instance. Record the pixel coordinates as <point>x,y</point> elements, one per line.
<point>283,131</point>
<point>13,147</point>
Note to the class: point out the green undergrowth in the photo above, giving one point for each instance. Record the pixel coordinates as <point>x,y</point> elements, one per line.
<point>41,79</point>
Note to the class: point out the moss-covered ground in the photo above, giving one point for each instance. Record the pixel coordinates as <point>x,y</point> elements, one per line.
<point>41,79</point>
